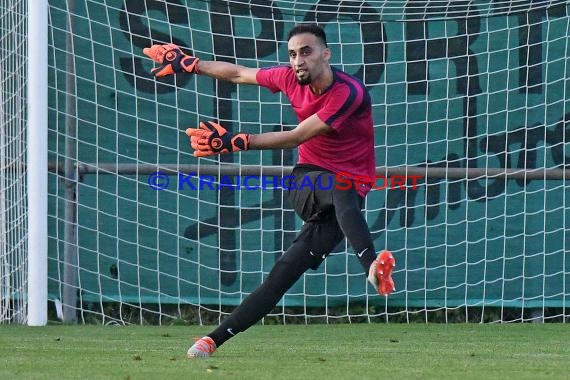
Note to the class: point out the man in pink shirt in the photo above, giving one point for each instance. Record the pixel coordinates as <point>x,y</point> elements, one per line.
<point>335,141</point>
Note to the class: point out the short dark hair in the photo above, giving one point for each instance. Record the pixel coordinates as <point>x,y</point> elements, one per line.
<point>314,29</point>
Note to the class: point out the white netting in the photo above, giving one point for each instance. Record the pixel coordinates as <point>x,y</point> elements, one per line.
<point>456,85</point>
<point>13,213</point>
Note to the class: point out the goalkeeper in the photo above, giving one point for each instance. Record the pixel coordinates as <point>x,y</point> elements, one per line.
<point>334,135</point>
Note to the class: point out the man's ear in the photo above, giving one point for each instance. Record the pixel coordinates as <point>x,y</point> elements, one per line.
<point>327,54</point>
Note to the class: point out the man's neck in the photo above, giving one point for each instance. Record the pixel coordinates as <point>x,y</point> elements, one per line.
<point>323,82</point>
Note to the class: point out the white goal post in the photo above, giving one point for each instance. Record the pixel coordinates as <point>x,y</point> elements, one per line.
<point>37,161</point>
<point>471,104</point>
<point>23,162</point>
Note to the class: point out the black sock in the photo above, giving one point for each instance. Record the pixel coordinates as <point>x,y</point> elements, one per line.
<point>258,304</point>
<point>366,257</point>
<point>356,230</point>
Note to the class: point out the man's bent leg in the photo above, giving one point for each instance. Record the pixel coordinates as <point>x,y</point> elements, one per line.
<point>347,205</point>
<point>260,302</point>
<point>313,243</point>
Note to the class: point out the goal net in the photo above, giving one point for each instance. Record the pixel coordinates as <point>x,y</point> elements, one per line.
<point>13,205</point>
<point>470,97</point>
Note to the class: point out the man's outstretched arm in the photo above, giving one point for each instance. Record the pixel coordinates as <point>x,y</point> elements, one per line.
<point>228,72</point>
<point>212,138</point>
<point>172,60</point>
<point>308,128</point>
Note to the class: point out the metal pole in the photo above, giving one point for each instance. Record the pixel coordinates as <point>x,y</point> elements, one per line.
<point>70,265</point>
<point>37,161</point>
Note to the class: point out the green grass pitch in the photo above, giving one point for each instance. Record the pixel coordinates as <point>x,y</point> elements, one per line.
<point>339,351</point>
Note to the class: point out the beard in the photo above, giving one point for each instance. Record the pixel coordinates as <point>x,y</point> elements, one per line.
<point>304,81</point>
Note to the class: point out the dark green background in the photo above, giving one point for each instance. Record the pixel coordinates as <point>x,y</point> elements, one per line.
<point>487,90</point>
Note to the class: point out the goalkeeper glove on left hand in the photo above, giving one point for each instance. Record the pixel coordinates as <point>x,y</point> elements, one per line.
<point>171,59</point>
<point>212,139</point>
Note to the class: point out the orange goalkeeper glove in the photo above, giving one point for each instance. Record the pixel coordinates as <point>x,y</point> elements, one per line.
<point>212,139</point>
<point>171,59</point>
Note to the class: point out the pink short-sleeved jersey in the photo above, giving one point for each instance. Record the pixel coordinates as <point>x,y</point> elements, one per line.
<point>346,107</point>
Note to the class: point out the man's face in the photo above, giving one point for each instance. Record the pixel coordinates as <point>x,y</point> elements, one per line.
<point>308,57</point>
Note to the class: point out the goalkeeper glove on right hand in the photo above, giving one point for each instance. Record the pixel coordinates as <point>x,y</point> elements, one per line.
<point>212,139</point>
<point>171,59</point>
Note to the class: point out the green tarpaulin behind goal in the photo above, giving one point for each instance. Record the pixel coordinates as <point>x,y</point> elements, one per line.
<point>478,88</point>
